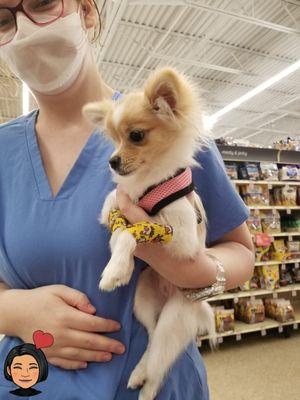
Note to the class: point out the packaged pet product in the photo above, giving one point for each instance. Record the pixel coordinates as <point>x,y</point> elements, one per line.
<point>250,311</point>
<point>291,223</point>
<point>268,171</point>
<point>255,195</point>
<point>224,320</point>
<point>289,173</point>
<point>268,276</point>
<point>284,311</point>
<point>270,221</point>
<point>249,171</point>
<point>293,249</point>
<point>276,199</point>
<point>252,284</point>
<point>270,307</point>
<point>279,309</point>
<point>254,222</point>
<point>262,243</point>
<point>289,196</point>
<point>231,170</point>
<point>296,273</point>
<point>285,276</point>
<point>278,250</point>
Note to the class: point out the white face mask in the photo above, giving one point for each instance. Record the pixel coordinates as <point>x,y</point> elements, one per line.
<point>50,58</point>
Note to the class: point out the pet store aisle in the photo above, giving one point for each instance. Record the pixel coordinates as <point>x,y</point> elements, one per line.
<point>256,368</point>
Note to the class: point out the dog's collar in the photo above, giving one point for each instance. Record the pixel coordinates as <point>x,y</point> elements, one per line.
<point>160,195</point>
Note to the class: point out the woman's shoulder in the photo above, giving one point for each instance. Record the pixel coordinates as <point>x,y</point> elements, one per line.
<point>12,135</point>
<point>15,126</point>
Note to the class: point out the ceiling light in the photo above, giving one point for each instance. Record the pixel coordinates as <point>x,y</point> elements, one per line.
<point>212,119</point>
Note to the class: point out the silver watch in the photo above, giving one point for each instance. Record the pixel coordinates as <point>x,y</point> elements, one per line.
<point>204,293</point>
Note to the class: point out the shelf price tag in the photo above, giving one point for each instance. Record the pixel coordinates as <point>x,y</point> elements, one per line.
<point>270,185</point>
<point>294,293</point>
<point>238,337</point>
<point>290,238</point>
<point>295,325</point>
<point>236,299</point>
<point>283,267</point>
<point>220,339</point>
<point>288,211</point>
<point>280,329</point>
<point>263,332</point>
<point>275,295</point>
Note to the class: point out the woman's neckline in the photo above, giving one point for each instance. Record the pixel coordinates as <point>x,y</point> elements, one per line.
<point>80,165</point>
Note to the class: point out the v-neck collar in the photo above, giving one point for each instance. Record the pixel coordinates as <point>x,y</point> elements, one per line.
<point>80,165</point>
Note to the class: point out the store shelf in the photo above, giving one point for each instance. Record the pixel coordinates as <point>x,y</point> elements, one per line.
<point>275,262</point>
<point>243,328</point>
<point>273,207</point>
<point>282,234</point>
<point>259,292</point>
<point>272,183</point>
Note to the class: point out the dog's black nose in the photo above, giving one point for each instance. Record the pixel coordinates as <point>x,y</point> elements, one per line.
<point>115,162</point>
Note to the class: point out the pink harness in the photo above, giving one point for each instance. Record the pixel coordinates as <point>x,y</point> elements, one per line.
<point>158,196</point>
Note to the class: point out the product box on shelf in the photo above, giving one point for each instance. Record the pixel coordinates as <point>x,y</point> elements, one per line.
<point>250,311</point>
<point>279,309</point>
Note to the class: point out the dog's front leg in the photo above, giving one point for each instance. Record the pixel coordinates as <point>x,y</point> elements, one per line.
<point>120,267</point>
<point>122,244</point>
<point>109,204</point>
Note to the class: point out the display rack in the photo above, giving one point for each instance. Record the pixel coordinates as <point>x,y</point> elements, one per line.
<point>237,153</point>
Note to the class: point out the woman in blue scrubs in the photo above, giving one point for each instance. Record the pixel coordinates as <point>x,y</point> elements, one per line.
<point>54,177</point>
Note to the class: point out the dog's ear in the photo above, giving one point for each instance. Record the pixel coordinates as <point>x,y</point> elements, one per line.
<point>161,90</point>
<point>96,112</point>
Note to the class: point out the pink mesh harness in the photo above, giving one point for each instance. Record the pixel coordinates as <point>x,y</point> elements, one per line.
<point>158,196</point>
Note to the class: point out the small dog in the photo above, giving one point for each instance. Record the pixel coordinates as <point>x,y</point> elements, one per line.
<point>156,133</point>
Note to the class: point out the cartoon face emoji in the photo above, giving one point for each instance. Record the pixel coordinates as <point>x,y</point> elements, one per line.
<point>24,371</point>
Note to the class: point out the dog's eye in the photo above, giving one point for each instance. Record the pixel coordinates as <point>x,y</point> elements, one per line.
<point>136,136</point>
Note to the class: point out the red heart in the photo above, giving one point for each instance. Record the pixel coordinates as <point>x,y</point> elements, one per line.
<point>42,339</point>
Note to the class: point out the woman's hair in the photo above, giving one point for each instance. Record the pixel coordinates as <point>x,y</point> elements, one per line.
<point>21,350</point>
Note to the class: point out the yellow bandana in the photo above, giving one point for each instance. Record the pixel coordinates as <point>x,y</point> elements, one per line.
<point>143,231</point>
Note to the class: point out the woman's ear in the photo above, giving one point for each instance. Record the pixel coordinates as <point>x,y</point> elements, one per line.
<point>161,89</point>
<point>89,14</point>
<point>8,370</point>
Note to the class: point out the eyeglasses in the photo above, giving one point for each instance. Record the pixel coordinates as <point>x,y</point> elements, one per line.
<point>41,12</point>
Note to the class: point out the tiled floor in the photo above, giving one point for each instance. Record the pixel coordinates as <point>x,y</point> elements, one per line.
<point>256,368</point>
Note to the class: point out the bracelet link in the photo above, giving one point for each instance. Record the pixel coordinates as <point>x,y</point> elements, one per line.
<point>204,293</point>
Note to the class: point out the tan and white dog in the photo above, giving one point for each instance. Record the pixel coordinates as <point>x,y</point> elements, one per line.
<point>156,131</point>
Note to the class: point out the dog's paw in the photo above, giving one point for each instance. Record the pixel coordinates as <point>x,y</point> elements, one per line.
<point>137,377</point>
<point>148,392</point>
<point>114,276</point>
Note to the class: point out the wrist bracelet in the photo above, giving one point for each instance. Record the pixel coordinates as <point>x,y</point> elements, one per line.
<point>204,293</point>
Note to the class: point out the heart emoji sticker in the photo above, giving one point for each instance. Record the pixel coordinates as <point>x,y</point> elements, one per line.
<point>42,339</point>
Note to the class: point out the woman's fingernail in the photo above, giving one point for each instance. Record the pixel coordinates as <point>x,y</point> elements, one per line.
<point>91,307</point>
<point>107,357</point>
<point>120,349</point>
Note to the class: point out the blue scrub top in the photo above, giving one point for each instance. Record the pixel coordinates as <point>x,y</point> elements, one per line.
<point>47,240</point>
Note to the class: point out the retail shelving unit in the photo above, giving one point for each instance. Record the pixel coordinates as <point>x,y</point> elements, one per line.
<point>237,153</point>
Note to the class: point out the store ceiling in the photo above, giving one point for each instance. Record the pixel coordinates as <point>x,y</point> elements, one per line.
<point>227,47</point>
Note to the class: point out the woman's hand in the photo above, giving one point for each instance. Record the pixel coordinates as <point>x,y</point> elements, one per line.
<point>66,313</point>
<point>134,213</point>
